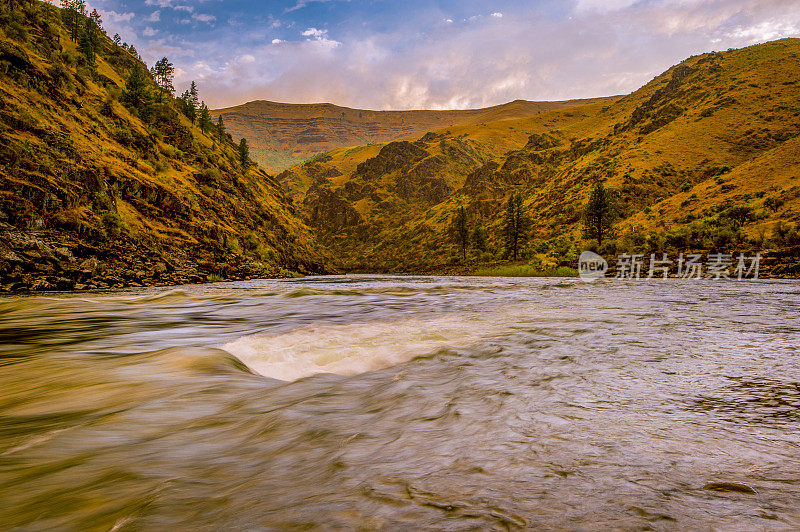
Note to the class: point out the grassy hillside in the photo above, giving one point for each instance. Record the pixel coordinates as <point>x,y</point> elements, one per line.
<point>97,192</point>
<point>703,157</point>
<point>282,135</point>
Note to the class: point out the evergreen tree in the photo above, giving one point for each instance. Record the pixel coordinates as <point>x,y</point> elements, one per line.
<point>187,106</point>
<point>94,16</point>
<point>515,225</point>
<point>244,153</point>
<point>85,45</point>
<point>74,11</point>
<point>136,93</point>
<point>189,102</point>
<point>163,73</point>
<point>69,15</point>
<point>94,27</point>
<point>220,128</point>
<point>461,230</point>
<point>599,215</point>
<point>193,95</point>
<point>117,39</point>
<point>479,238</point>
<point>204,118</point>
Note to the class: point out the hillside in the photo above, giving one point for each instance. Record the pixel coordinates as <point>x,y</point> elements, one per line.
<point>104,186</point>
<point>281,135</point>
<point>703,157</point>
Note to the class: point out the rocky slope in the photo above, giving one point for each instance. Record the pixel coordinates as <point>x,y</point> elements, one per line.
<point>281,135</point>
<point>704,157</point>
<point>94,193</point>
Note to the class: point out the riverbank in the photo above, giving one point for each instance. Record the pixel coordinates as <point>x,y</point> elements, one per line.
<point>39,261</point>
<point>42,261</point>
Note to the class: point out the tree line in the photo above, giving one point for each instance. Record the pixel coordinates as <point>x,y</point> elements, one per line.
<point>598,217</point>
<point>87,31</point>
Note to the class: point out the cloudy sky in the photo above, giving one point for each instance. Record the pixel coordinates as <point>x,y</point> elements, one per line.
<point>410,54</point>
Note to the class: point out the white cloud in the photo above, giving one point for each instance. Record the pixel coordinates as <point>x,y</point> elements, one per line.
<point>149,32</point>
<point>277,41</point>
<point>158,3</point>
<point>497,14</point>
<point>314,32</point>
<point>155,16</point>
<point>765,31</point>
<point>320,37</point>
<point>114,17</point>
<point>200,17</point>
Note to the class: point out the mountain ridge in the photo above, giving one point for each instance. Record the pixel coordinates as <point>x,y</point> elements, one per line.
<point>281,134</point>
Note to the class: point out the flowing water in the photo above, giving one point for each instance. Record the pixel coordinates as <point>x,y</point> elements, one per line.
<point>399,403</point>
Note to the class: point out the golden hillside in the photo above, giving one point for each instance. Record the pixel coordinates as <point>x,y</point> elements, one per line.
<point>95,192</point>
<point>712,137</point>
<point>282,135</point>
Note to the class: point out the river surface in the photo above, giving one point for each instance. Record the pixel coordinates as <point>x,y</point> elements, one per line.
<point>397,403</point>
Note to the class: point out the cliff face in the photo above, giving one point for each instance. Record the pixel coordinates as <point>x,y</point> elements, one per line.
<point>282,135</point>
<point>95,192</point>
<point>704,157</point>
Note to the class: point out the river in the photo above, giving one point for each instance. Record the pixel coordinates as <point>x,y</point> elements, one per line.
<point>396,403</point>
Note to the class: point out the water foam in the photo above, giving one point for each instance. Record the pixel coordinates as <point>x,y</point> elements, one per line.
<point>353,348</point>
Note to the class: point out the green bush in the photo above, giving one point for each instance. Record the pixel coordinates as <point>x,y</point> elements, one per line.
<point>235,246</point>
<point>69,58</point>
<point>773,203</point>
<point>785,235</point>
<point>112,223</point>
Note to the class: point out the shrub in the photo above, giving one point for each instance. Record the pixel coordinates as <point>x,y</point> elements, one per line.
<point>161,166</point>
<point>69,58</point>
<point>234,246</point>
<point>738,215</point>
<point>785,234</point>
<point>773,203</point>
<point>112,223</point>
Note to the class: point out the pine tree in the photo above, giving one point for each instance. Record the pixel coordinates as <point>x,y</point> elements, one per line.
<point>193,95</point>
<point>72,14</point>
<point>204,119</point>
<point>599,215</point>
<point>244,153</point>
<point>515,225</point>
<point>461,230</point>
<point>85,45</point>
<point>163,73</point>
<point>220,128</point>
<point>77,9</point>
<point>94,16</point>
<point>136,93</point>
<point>94,27</point>
<point>187,106</point>
<point>117,39</point>
<point>479,238</point>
